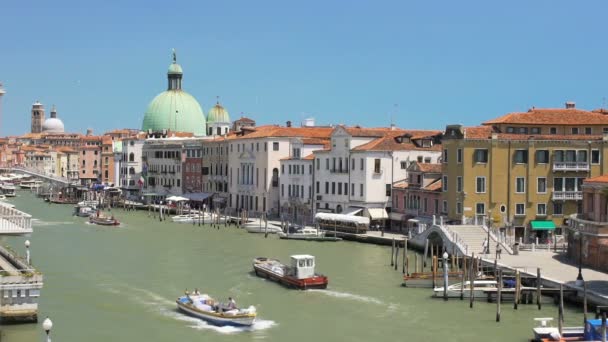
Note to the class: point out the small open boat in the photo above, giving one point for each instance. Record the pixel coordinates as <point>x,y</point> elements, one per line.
<point>83,211</point>
<point>102,220</point>
<point>206,308</point>
<point>425,279</point>
<point>301,274</point>
<point>546,332</point>
<point>254,227</point>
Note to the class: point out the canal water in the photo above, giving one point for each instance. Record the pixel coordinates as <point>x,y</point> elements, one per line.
<point>120,284</point>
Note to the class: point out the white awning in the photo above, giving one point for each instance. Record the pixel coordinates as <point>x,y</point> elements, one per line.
<point>351,211</point>
<point>377,213</point>
<point>342,218</point>
<point>396,216</point>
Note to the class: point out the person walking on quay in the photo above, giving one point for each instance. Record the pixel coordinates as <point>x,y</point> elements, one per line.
<point>498,250</point>
<point>484,246</point>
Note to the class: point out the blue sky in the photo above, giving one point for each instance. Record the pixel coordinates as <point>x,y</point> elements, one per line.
<point>441,62</point>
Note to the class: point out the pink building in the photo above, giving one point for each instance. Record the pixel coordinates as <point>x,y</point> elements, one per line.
<point>588,232</point>
<point>418,198</point>
<point>90,160</point>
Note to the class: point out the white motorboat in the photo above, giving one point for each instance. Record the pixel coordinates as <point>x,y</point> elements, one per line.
<point>30,184</point>
<point>206,308</point>
<point>92,204</point>
<point>309,234</point>
<point>191,218</point>
<point>84,211</point>
<point>479,288</point>
<point>254,227</point>
<point>8,189</point>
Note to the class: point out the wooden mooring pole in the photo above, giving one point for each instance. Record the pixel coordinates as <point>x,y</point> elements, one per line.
<point>560,315</point>
<point>538,283</point>
<point>434,270</point>
<point>498,296</point>
<point>393,252</point>
<point>603,328</point>
<point>404,261</point>
<point>396,255</point>
<point>517,289</point>
<point>415,262</point>
<point>463,276</point>
<point>472,280</point>
<point>426,248</point>
<point>584,303</point>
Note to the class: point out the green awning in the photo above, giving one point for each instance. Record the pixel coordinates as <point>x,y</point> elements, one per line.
<point>542,225</point>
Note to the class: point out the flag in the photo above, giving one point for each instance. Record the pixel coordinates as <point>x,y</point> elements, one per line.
<point>141,181</point>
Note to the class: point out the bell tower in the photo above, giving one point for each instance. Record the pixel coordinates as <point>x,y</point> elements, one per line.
<point>37,117</point>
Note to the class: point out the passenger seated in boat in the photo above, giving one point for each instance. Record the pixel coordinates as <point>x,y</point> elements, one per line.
<point>231,304</point>
<point>196,293</point>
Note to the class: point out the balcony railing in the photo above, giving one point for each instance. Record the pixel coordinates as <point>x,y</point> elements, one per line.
<point>570,166</point>
<point>567,195</point>
<point>338,170</point>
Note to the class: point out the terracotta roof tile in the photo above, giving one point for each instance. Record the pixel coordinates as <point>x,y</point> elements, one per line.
<point>598,179</point>
<point>428,167</point>
<point>553,116</point>
<point>275,131</point>
<point>387,142</point>
<point>435,186</point>
<point>401,185</point>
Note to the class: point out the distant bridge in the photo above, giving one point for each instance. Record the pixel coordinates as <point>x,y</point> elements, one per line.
<point>36,173</point>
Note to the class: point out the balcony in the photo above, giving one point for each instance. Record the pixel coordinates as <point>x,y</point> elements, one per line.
<point>570,166</point>
<point>567,195</point>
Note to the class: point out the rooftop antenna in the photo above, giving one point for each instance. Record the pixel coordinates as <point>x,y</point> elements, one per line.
<point>396,106</point>
<point>217,98</point>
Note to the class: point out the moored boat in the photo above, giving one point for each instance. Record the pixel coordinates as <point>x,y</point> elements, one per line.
<point>206,308</point>
<point>479,289</point>
<point>425,279</point>
<point>30,184</point>
<point>83,211</point>
<point>102,220</point>
<point>8,189</point>
<point>301,274</point>
<point>309,234</point>
<point>254,227</point>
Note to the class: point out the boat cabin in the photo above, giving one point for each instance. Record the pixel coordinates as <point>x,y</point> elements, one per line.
<point>303,265</point>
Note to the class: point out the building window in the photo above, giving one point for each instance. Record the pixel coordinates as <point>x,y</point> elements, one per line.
<point>480,208</point>
<point>459,156</point>
<point>510,129</point>
<point>444,183</point>
<point>339,188</point>
<point>327,188</point>
<point>445,155</point>
<point>427,160</point>
<point>541,209</point>
<point>520,185</point>
<point>361,190</point>
<point>403,165</point>
<point>445,206</point>
<point>333,188</point>
<point>326,163</point>
<point>480,185</point>
<point>558,208</point>
<point>458,184</point>
<point>376,165</point>
<point>362,164</point>
<point>574,130</point>
<point>481,155</point>
<point>503,208</point>
<point>542,156</point>
<point>535,130</point>
<point>520,209</point>
<point>541,185</point>
<point>282,190</point>
<point>553,130</point>
<point>346,189</point>
<point>318,184</point>
<point>458,208</point>
<point>588,130</point>
<point>595,156</point>
<point>352,189</point>
<point>605,130</point>
<point>275,146</point>
<point>521,156</point>
<point>388,190</point>
<point>522,130</point>
<point>283,169</point>
<point>352,163</point>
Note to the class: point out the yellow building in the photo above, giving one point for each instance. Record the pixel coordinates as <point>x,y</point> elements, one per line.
<point>524,170</point>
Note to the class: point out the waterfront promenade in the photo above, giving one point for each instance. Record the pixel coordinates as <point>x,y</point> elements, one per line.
<point>555,267</point>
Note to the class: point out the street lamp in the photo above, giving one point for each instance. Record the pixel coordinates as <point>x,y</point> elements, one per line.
<point>27,251</point>
<point>47,325</point>
<point>578,235</point>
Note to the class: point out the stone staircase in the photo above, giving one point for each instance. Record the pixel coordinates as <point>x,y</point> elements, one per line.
<point>474,236</point>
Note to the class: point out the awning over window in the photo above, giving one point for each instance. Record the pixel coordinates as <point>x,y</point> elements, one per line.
<point>396,216</point>
<point>542,225</point>
<point>377,213</point>
<point>198,196</point>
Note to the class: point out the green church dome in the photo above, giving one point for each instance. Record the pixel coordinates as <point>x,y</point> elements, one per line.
<point>175,109</point>
<point>218,114</point>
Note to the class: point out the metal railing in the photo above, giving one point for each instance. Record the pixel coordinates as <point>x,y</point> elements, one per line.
<point>14,221</point>
<point>570,166</point>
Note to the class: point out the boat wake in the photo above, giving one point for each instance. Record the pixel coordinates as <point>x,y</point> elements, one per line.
<point>165,307</point>
<point>39,223</point>
<point>349,296</point>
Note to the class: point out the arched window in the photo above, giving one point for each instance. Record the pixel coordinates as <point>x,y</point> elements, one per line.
<point>131,170</point>
<point>275,177</point>
<point>131,156</point>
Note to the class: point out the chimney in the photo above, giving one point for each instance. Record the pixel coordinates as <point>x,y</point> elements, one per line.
<point>570,105</point>
<point>89,132</point>
<point>288,123</point>
<point>392,126</point>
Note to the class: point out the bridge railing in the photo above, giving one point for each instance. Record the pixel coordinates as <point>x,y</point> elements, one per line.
<point>37,173</point>
<point>13,221</point>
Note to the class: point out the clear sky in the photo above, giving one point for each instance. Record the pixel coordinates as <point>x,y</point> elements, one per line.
<point>349,61</point>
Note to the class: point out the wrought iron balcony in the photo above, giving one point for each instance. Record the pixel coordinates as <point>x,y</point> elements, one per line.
<point>570,166</point>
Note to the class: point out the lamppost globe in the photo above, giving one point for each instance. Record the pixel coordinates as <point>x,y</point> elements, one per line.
<point>47,325</point>
<point>27,243</point>
<point>445,255</point>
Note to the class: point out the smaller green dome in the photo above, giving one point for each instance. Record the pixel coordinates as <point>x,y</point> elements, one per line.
<point>218,114</point>
<point>175,68</point>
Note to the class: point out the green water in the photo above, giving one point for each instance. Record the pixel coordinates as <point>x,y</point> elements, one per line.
<point>108,284</point>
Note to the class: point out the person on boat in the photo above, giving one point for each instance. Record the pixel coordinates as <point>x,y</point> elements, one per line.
<point>196,293</point>
<point>231,304</point>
